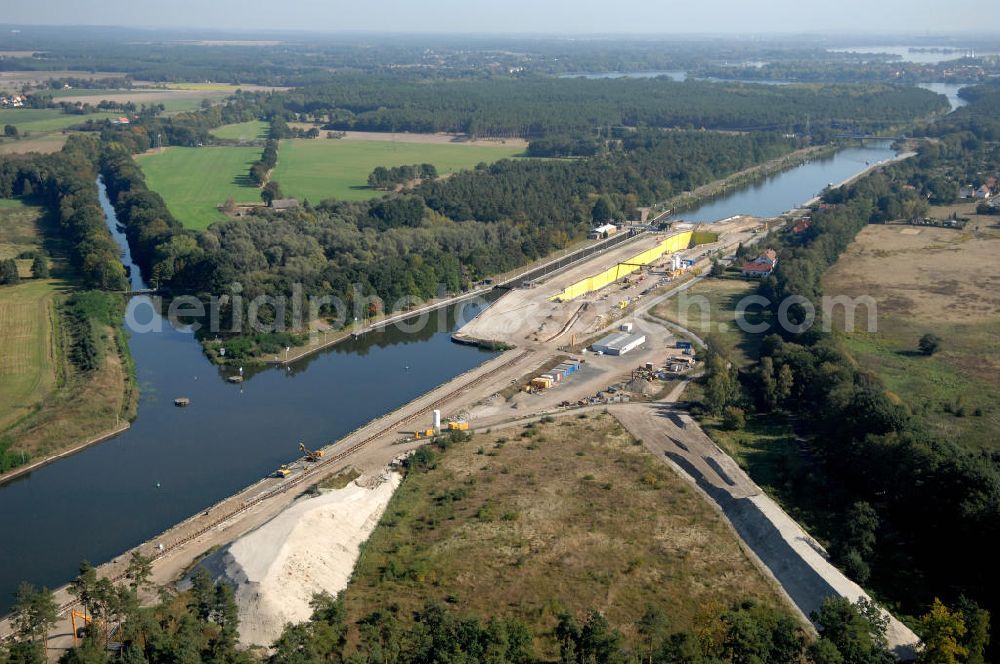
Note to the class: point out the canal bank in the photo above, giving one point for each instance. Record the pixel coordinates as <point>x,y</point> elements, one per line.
<point>175,462</point>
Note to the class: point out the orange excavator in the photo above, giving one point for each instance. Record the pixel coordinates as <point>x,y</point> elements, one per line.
<point>311,455</point>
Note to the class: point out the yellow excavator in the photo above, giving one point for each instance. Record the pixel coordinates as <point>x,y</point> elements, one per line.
<point>311,455</point>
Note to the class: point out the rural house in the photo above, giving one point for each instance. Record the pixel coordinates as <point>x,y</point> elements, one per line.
<point>761,266</point>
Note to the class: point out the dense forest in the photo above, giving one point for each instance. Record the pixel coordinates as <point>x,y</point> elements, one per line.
<point>439,237</point>
<point>910,512</point>
<point>536,106</point>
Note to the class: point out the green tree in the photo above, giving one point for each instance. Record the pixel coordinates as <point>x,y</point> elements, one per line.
<point>654,630</point>
<point>271,192</point>
<point>722,385</point>
<point>40,266</point>
<point>768,384</point>
<point>941,631</point>
<point>929,344</point>
<point>83,586</point>
<point>857,631</point>
<point>202,601</point>
<point>8,272</point>
<point>139,570</point>
<point>10,131</point>
<point>33,615</point>
<point>733,418</point>
<point>601,213</point>
<point>786,381</point>
<point>977,630</point>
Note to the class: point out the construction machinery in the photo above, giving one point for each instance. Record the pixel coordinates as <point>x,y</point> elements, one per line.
<point>85,621</point>
<point>311,455</point>
<point>283,472</point>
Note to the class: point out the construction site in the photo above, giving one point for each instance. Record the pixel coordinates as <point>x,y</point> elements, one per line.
<point>580,338</point>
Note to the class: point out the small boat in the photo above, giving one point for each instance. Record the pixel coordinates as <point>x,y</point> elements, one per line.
<point>180,402</point>
<point>235,379</point>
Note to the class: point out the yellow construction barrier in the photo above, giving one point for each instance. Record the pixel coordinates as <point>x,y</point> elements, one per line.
<point>672,244</point>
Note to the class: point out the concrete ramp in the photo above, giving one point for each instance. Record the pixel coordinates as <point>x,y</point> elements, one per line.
<point>796,560</point>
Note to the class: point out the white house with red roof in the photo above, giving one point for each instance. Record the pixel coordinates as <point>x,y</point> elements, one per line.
<point>761,266</point>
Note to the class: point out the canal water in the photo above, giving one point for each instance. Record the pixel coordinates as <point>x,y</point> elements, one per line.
<point>789,189</point>
<point>949,90</point>
<point>174,462</point>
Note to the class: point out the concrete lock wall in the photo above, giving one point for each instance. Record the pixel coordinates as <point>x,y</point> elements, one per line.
<point>596,282</point>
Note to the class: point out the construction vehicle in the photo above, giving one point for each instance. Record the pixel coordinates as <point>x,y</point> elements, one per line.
<point>458,425</point>
<point>282,472</point>
<point>311,455</point>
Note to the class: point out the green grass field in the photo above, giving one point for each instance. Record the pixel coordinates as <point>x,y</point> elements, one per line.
<point>243,131</point>
<point>37,120</point>
<point>46,403</point>
<point>719,321</point>
<point>318,169</point>
<point>27,371</point>
<point>193,181</point>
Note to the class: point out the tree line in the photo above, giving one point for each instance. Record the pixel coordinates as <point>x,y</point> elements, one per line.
<point>899,500</point>
<point>534,107</point>
<point>388,178</point>
<point>64,183</point>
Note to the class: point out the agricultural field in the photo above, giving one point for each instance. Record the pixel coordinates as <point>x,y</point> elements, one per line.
<point>243,131</point>
<point>40,120</point>
<point>27,362</point>
<point>566,515</point>
<point>322,168</point>
<point>14,81</point>
<point>939,281</point>
<point>717,318</point>
<point>45,144</point>
<point>194,181</point>
<point>46,403</point>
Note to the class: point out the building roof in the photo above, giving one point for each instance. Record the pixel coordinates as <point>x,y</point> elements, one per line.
<point>284,203</point>
<point>617,340</point>
<point>757,267</point>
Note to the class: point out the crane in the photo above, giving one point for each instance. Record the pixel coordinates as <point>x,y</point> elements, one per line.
<point>311,455</point>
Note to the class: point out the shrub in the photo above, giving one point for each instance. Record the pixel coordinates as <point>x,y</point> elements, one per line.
<point>733,418</point>
<point>929,344</point>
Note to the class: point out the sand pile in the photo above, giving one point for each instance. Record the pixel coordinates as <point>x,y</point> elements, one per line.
<point>310,547</point>
<point>641,386</point>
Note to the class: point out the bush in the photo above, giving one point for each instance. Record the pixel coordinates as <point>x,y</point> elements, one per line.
<point>40,267</point>
<point>8,272</point>
<point>733,418</point>
<point>929,344</point>
<point>855,566</point>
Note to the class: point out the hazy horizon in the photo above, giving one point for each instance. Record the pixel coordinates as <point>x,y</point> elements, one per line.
<point>570,17</point>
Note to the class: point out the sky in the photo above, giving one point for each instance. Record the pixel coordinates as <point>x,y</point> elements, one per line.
<point>519,16</point>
